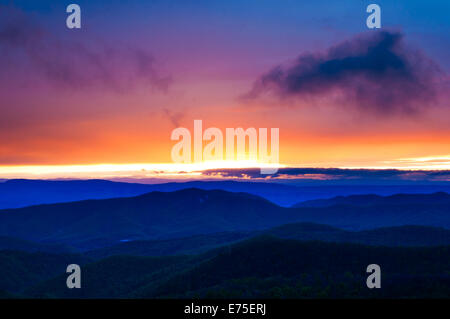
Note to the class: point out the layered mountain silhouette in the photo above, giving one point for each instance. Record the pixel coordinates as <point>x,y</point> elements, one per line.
<point>156,216</point>
<point>439,198</point>
<point>220,244</point>
<point>21,192</point>
<point>414,236</point>
<point>177,246</point>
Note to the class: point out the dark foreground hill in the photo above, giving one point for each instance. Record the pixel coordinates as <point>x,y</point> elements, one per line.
<point>186,245</point>
<point>414,236</point>
<point>10,243</point>
<point>22,269</point>
<point>264,267</point>
<point>94,224</point>
<point>388,236</point>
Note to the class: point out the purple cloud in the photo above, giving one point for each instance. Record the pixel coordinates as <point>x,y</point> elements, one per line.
<point>72,64</point>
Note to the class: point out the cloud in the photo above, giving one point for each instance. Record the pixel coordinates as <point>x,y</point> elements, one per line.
<point>333,174</point>
<point>374,72</point>
<point>174,116</point>
<point>72,64</point>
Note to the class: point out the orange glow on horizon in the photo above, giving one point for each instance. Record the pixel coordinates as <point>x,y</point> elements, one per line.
<point>194,170</point>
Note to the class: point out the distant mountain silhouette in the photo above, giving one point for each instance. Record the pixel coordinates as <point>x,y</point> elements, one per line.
<point>21,192</point>
<point>98,223</point>
<point>154,215</point>
<point>441,198</point>
<point>263,267</point>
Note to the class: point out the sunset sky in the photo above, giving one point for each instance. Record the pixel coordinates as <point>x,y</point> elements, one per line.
<point>72,101</point>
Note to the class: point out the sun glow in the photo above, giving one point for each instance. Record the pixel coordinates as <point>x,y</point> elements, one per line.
<point>144,170</point>
<point>194,170</point>
<point>422,163</point>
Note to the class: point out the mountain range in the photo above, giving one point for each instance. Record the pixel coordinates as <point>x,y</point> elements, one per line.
<point>214,243</point>
<point>21,192</point>
<point>91,224</point>
<point>438,198</point>
<point>401,236</point>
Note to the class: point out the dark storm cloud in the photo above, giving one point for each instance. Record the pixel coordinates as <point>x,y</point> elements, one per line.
<point>73,64</point>
<point>332,174</point>
<point>374,71</point>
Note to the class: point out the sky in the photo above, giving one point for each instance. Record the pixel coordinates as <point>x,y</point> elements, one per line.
<point>106,97</point>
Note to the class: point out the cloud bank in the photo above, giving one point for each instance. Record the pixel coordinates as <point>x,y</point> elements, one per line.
<point>374,72</point>
<point>333,174</point>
